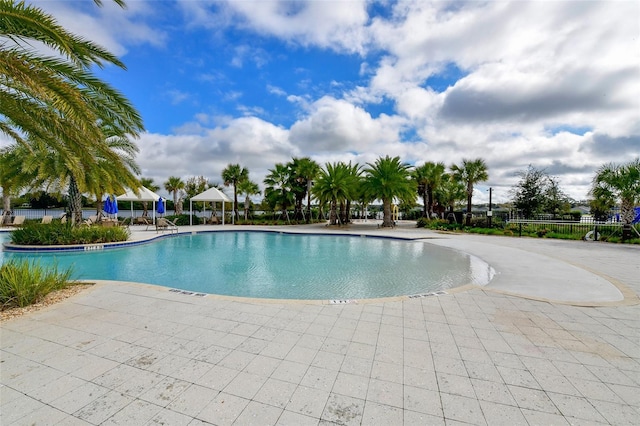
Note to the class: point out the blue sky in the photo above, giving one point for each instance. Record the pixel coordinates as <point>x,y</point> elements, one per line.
<point>552,84</point>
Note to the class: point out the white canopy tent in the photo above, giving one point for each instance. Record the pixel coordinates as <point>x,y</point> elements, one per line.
<point>143,194</point>
<point>211,194</point>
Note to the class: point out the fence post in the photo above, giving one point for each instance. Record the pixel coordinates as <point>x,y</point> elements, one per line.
<point>520,229</point>
<point>595,233</point>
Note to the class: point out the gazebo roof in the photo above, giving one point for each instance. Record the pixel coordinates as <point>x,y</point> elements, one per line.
<point>211,194</point>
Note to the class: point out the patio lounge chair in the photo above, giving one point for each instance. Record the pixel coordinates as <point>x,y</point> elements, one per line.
<point>142,220</point>
<point>91,221</point>
<point>46,219</point>
<point>163,224</point>
<point>18,221</point>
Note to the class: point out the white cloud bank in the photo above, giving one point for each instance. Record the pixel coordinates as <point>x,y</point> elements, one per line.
<point>552,84</point>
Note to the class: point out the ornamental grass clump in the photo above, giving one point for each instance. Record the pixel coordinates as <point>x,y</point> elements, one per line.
<point>24,283</point>
<point>36,234</point>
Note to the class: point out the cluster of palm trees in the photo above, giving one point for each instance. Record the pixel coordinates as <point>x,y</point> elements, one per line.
<point>389,179</point>
<point>339,184</point>
<point>294,184</point>
<point>68,128</point>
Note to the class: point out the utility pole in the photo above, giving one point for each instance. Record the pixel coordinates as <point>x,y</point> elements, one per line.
<point>490,212</point>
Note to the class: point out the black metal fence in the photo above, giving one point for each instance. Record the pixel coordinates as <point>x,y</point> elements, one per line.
<point>589,230</point>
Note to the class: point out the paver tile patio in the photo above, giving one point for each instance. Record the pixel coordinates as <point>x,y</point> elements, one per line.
<point>125,353</point>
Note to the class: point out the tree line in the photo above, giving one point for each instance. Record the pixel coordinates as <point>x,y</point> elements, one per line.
<point>293,186</point>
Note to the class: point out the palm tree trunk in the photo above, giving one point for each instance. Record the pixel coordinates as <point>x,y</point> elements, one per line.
<point>429,192</point>
<point>235,202</point>
<point>247,200</point>
<point>175,202</point>
<point>6,205</point>
<point>425,208</point>
<point>333,216</point>
<point>626,211</point>
<point>347,212</point>
<point>75,202</point>
<point>387,221</point>
<point>468,215</point>
<point>308,218</point>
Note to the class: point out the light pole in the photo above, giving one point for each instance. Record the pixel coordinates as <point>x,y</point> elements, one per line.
<point>490,212</point>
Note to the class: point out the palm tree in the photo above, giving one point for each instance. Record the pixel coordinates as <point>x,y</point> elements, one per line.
<point>305,170</point>
<point>232,175</point>
<point>149,184</point>
<point>355,189</point>
<point>43,165</point>
<point>173,185</point>
<point>248,188</point>
<point>619,182</point>
<point>335,185</point>
<point>428,177</point>
<point>450,191</point>
<point>278,187</point>
<point>386,179</point>
<point>56,99</point>
<point>470,172</point>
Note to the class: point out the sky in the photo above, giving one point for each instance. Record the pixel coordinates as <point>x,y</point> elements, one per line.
<point>552,84</point>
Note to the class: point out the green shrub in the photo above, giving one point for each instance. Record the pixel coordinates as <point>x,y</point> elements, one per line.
<point>576,215</point>
<point>23,283</point>
<point>542,232</point>
<point>37,234</point>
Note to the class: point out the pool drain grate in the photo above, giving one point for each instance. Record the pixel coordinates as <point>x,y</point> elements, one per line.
<point>341,301</point>
<point>187,293</point>
<point>435,293</point>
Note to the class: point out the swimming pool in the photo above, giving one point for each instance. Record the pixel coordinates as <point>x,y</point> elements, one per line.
<point>279,266</point>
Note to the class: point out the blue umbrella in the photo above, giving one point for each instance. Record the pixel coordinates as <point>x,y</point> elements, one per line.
<point>160,206</point>
<point>110,206</point>
<point>107,205</point>
<point>114,205</point>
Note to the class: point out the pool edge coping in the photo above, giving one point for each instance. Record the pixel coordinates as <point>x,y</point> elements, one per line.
<point>629,297</point>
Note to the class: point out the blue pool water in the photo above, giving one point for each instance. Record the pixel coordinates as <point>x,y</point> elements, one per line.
<point>280,266</point>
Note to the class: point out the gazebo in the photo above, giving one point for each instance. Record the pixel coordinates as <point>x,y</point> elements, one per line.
<point>143,194</point>
<point>211,194</point>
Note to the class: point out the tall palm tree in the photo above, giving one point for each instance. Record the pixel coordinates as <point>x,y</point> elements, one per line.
<point>248,188</point>
<point>428,177</point>
<point>173,185</point>
<point>335,184</point>
<point>232,175</point>
<point>355,188</point>
<point>56,99</point>
<point>386,179</point>
<point>305,170</point>
<point>278,187</point>
<point>470,172</point>
<point>149,184</point>
<point>46,166</point>
<point>620,182</point>
<point>450,192</point>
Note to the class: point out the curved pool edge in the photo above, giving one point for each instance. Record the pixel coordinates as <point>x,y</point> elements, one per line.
<point>142,237</point>
<point>530,277</point>
<point>188,295</point>
<point>544,277</point>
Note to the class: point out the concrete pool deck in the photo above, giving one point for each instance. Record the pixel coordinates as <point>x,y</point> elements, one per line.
<point>134,354</point>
